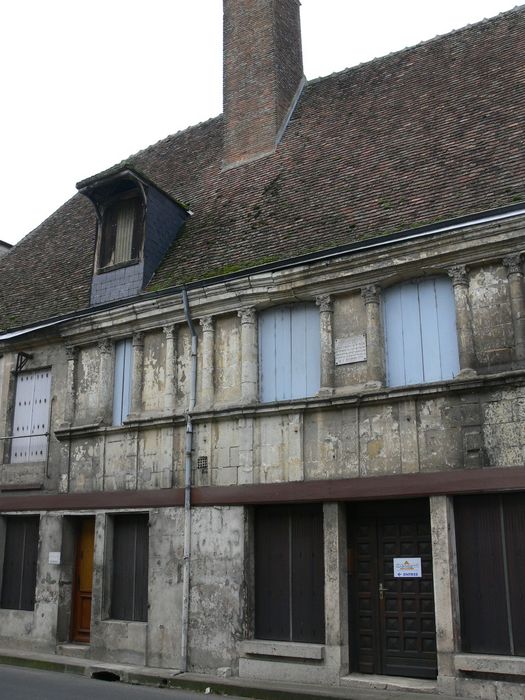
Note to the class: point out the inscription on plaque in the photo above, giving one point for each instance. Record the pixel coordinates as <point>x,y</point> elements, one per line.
<point>351,349</point>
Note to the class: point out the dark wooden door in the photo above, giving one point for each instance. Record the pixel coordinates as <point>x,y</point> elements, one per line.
<point>392,620</point>
<point>83,581</point>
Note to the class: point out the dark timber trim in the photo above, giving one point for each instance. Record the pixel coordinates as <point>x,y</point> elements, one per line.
<point>359,489</point>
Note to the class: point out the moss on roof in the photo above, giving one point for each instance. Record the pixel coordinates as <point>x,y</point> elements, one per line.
<point>415,137</point>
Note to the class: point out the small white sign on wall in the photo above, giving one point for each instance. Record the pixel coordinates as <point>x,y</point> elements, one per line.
<point>351,349</point>
<point>54,557</point>
<point>407,567</point>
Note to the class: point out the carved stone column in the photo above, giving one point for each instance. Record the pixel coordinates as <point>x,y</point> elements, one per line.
<point>137,373</point>
<point>208,350</point>
<point>105,400</point>
<point>324,302</point>
<point>249,355</point>
<point>336,585</point>
<point>375,365</point>
<point>170,389</point>
<point>69,408</point>
<point>517,302</point>
<point>467,354</point>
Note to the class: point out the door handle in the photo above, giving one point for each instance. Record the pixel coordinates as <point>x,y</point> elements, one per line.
<point>382,591</point>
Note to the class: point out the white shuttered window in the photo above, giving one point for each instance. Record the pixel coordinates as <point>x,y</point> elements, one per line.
<point>31,417</point>
<point>289,352</point>
<point>420,332</point>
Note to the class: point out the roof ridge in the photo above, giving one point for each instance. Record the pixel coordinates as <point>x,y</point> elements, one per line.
<point>464,29</point>
<point>129,160</point>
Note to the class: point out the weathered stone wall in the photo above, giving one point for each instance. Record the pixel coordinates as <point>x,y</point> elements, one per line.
<point>227,360</point>
<point>87,395</point>
<point>217,595</point>
<point>154,373</point>
<point>491,318</point>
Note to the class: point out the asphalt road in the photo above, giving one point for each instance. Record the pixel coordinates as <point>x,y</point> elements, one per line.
<point>29,684</point>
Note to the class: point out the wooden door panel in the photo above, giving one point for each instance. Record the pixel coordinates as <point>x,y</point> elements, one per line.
<point>394,631</point>
<point>83,581</point>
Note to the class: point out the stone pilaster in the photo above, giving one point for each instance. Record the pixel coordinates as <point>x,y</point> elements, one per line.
<point>208,350</point>
<point>137,373</point>
<point>445,589</point>
<point>105,400</point>
<point>517,302</point>
<point>324,302</point>
<point>336,586</point>
<point>69,408</point>
<point>249,355</point>
<point>375,365</point>
<point>467,354</point>
<point>170,389</point>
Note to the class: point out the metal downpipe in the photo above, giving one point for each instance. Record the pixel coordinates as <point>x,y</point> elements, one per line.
<point>187,486</point>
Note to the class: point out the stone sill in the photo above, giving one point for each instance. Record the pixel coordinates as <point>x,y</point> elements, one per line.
<point>490,663</point>
<point>36,486</point>
<point>344,397</point>
<point>291,650</point>
<point>124,624</point>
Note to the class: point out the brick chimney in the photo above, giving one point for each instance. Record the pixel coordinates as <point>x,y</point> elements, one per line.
<point>263,75</point>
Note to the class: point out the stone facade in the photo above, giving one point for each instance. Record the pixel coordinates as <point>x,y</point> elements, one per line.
<point>170,516</point>
<point>354,429</point>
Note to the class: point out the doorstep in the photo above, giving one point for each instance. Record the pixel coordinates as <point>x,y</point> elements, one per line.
<point>400,683</point>
<point>72,649</point>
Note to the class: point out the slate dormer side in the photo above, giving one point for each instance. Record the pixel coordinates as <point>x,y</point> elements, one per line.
<point>136,224</point>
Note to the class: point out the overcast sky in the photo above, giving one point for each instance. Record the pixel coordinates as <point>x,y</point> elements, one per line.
<point>86,84</point>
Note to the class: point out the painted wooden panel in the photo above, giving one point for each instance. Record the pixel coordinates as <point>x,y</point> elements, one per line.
<point>31,416</point>
<point>482,575</point>
<point>129,595</point>
<point>290,351</point>
<point>289,574</point>
<point>122,381</point>
<point>420,332</point>
<point>20,562</point>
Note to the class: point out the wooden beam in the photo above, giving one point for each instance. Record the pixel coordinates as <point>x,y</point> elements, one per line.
<point>371,488</point>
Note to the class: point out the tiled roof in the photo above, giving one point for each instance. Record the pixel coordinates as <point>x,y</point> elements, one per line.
<point>426,134</point>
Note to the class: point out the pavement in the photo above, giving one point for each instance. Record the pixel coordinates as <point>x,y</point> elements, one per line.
<point>377,688</point>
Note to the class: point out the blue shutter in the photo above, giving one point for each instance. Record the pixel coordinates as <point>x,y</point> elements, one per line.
<point>420,332</point>
<point>447,332</point>
<point>290,351</point>
<point>122,382</point>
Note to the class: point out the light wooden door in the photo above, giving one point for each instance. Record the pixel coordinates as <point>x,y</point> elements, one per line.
<point>83,581</point>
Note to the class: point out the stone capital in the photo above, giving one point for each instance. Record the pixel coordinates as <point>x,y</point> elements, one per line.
<point>459,275</point>
<point>105,345</point>
<point>169,332</point>
<point>138,340</point>
<point>513,264</point>
<point>207,324</point>
<point>71,352</point>
<point>247,315</point>
<point>371,293</point>
<point>324,302</point>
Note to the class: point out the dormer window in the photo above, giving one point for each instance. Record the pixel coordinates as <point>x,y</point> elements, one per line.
<point>122,231</point>
<point>136,224</point>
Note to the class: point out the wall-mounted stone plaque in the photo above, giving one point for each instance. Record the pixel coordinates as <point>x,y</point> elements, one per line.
<point>351,349</point>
